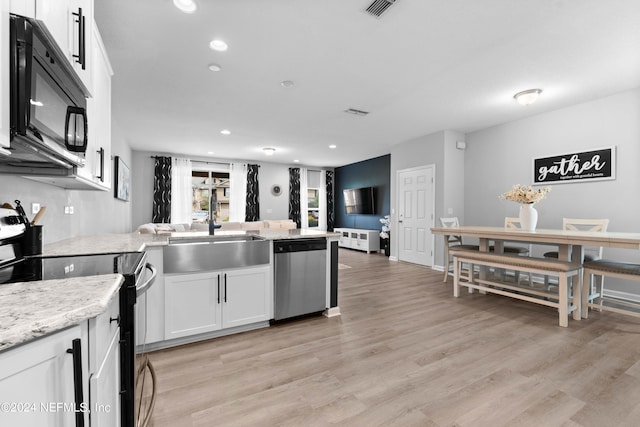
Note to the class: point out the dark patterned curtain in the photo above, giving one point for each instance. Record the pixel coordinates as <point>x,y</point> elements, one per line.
<point>252,212</point>
<point>329,183</point>
<point>162,191</point>
<point>294,195</point>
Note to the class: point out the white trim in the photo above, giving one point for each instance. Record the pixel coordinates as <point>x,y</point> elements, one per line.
<point>393,258</point>
<point>622,295</point>
<point>332,312</point>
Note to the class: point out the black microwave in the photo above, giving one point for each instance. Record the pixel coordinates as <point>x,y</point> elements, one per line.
<point>48,107</point>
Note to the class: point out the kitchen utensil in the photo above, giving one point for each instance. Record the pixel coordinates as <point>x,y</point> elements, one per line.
<point>38,215</point>
<point>22,213</point>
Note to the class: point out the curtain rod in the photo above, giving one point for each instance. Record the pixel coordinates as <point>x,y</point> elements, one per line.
<point>202,161</point>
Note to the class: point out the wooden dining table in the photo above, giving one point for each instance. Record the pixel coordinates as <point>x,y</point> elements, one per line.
<point>570,243</point>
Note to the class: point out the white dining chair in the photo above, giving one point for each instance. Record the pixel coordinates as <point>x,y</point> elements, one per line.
<point>453,241</point>
<point>590,253</point>
<point>513,223</point>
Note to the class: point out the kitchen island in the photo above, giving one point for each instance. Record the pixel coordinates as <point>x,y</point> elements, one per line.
<point>36,309</point>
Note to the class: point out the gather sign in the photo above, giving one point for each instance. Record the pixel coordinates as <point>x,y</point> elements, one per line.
<point>575,167</point>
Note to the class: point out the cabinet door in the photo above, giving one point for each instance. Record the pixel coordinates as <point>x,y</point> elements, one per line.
<point>98,155</point>
<point>70,23</point>
<point>4,76</point>
<point>104,387</point>
<point>247,296</point>
<point>37,381</point>
<point>192,304</point>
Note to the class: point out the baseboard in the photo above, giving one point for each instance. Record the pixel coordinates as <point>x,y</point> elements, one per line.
<point>437,268</point>
<point>332,312</point>
<point>393,258</point>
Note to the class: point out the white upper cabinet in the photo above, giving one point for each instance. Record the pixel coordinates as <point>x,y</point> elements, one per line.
<point>98,154</point>
<point>4,77</point>
<point>70,24</point>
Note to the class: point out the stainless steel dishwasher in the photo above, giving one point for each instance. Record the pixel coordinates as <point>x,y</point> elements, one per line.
<point>300,277</point>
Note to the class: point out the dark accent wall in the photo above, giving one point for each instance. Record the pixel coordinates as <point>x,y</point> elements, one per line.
<point>375,173</point>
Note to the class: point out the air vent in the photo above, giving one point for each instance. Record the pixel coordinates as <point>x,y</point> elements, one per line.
<point>356,112</point>
<point>378,7</point>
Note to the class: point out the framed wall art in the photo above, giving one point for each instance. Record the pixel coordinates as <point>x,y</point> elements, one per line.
<point>123,180</point>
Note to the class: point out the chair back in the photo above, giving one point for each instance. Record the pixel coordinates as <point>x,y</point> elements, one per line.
<point>597,225</point>
<point>449,222</point>
<point>512,223</point>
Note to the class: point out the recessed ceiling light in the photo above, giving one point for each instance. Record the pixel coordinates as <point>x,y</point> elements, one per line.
<point>187,6</point>
<point>215,67</point>
<point>296,161</point>
<point>269,151</point>
<point>218,45</point>
<point>527,97</point>
<point>210,152</point>
<point>287,83</point>
<point>225,132</point>
<point>333,146</point>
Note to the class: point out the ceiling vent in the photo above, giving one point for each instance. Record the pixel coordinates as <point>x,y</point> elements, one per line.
<point>356,112</point>
<point>378,7</point>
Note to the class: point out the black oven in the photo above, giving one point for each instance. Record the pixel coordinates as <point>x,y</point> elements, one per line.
<point>48,105</point>
<point>138,276</point>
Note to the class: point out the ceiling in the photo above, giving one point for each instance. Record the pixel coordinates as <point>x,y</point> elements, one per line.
<point>422,67</point>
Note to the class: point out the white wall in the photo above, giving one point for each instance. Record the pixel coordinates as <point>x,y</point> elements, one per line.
<point>96,212</point>
<point>425,150</point>
<point>498,157</point>
<point>269,174</point>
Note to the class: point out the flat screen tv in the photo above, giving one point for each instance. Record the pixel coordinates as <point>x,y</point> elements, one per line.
<point>359,201</point>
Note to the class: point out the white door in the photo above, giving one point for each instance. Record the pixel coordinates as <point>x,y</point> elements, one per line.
<point>415,214</point>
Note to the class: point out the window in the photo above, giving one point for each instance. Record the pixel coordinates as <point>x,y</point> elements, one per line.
<point>313,198</point>
<point>210,195</point>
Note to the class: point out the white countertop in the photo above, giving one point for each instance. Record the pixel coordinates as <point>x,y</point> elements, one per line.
<point>33,309</point>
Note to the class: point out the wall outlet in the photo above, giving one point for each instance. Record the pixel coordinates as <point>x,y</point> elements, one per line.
<point>71,210</point>
<point>449,211</point>
<point>35,207</point>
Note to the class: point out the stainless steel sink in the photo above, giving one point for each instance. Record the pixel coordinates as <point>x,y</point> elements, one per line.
<point>215,253</point>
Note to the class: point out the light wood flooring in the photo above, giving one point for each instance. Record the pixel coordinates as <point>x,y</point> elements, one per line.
<point>406,353</point>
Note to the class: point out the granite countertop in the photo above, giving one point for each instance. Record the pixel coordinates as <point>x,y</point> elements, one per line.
<point>132,242</point>
<point>34,309</point>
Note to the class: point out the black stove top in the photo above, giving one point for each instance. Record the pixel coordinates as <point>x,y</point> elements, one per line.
<point>63,267</point>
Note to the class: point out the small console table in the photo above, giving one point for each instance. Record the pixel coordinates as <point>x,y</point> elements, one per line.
<point>362,240</point>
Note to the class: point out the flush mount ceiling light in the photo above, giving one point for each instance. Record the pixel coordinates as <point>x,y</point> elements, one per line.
<point>269,151</point>
<point>218,45</point>
<point>187,6</point>
<point>215,67</point>
<point>527,97</point>
<point>287,83</point>
<point>225,132</point>
<point>332,146</point>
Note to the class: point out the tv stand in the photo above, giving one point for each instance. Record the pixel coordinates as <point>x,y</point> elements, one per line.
<point>362,240</point>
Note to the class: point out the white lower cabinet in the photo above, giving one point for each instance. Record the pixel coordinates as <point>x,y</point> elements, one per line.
<point>104,367</point>
<point>193,304</point>
<point>362,240</point>
<point>104,388</point>
<point>37,384</point>
<point>205,302</point>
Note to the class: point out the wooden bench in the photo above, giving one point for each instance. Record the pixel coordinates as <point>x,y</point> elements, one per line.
<point>564,300</point>
<point>596,299</point>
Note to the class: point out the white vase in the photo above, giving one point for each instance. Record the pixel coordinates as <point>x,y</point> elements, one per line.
<point>528,217</point>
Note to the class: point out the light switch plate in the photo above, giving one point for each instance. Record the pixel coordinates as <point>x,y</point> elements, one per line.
<point>35,207</point>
